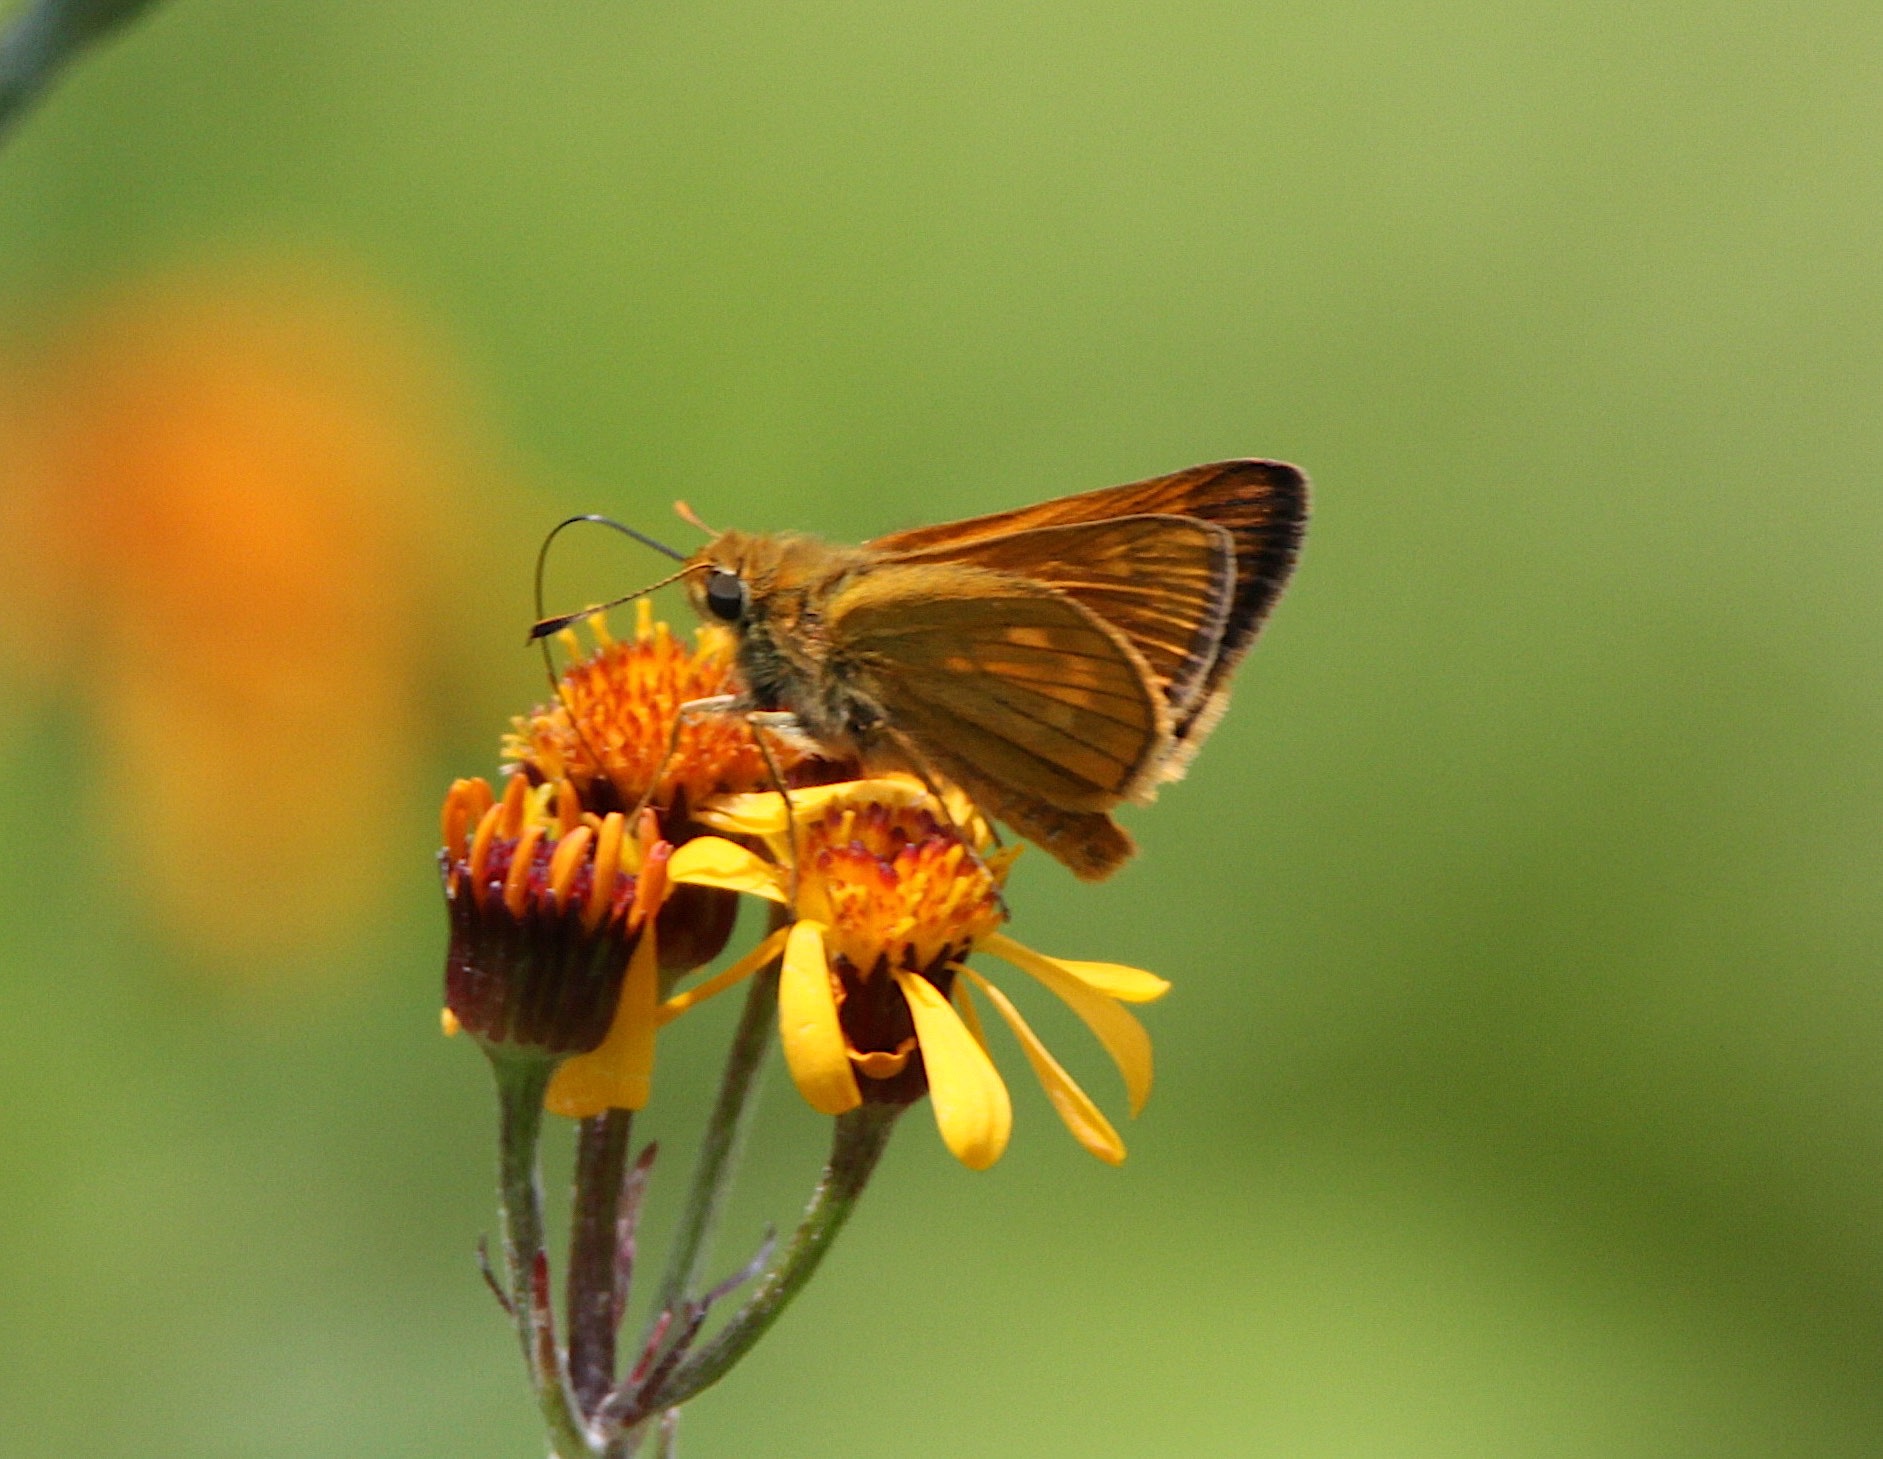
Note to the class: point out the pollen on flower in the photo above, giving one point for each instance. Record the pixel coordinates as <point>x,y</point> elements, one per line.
<point>899,890</point>
<point>610,733</point>
<point>900,883</point>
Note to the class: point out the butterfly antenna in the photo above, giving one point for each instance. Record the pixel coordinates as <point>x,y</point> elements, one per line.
<point>601,521</point>
<point>543,628</point>
<point>692,518</point>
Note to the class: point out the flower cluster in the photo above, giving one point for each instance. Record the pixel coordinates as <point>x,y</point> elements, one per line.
<point>567,915</point>
<point>610,868</point>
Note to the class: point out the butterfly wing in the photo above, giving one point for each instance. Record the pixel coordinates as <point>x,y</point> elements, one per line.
<point>1263,505</point>
<point>1033,704</point>
<point>1164,582</point>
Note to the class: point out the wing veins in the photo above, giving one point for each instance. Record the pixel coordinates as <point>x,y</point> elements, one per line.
<point>1039,688</point>
<point>1127,769</point>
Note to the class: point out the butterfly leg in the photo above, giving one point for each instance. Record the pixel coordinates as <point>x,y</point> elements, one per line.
<point>754,719</point>
<point>717,704</point>
<point>923,771</point>
<point>779,719</point>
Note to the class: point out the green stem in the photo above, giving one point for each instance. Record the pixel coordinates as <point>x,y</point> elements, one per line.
<point>521,1081</point>
<point>601,1168</point>
<point>43,38</point>
<point>723,1140</point>
<point>857,1142</point>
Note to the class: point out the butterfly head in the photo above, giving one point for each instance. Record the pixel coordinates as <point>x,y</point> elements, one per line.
<point>720,577</point>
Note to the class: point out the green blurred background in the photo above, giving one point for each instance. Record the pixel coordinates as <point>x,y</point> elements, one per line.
<point>1521,1093</point>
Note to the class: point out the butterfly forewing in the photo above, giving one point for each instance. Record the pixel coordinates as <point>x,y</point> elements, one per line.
<point>1166,583</point>
<point>1263,505</point>
<point>1000,680</point>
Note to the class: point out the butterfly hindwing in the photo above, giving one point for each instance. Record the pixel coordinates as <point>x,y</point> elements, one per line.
<point>1005,680</point>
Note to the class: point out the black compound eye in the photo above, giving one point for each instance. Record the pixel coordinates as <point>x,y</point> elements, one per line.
<point>725,595</point>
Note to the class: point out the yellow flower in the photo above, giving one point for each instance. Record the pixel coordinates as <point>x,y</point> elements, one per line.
<point>611,730</point>
<point>611,734</point>
<point>548,907</point>
<point>874,998</point>
<point>554,943</point>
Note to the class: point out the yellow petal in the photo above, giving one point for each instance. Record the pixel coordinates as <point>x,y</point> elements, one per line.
<point>972,1109</point>
<point>1114,980</point>
<point>1090,1128</point>
<point>712,861</point>
<point>1122,1035</point>
<point>883,1064</point>
<point>964,1005</point>
<point>754,813</point>
<point>516,883</point>
<point>807,1024</point>
<point>601,890</point>
<point>719,982</point>
<point>569,854</point>
<point>619,1073</point>
<point>762,813</point>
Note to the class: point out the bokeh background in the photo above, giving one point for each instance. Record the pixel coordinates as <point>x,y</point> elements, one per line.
<point>1521,1093</point>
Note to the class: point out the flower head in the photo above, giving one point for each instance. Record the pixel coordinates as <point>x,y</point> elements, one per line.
<point>549,908</point>
<point>611,734</point>
<point>893,893</point>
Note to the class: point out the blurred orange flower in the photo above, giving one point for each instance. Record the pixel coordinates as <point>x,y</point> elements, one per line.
<point>233,482</point>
